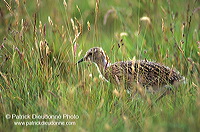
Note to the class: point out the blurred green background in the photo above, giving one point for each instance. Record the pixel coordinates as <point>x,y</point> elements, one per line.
<point>41,40</point>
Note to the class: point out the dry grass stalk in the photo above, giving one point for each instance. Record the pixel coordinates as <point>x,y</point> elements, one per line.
<point>40,28</point>
<point>182,29</point>
<point>5,78</point>
<point>88,26</point>
<point>163,26</point>
<point>139,29</point>
<point>21,32</point>
<point>77,32</point>
<point>167,54</point>
<point>44,30</point>
<point>73,25</point>
<point>21,54</point>
<point>53,94</point>
<point>96,18</point>
<point>9,7</point>
<point>108,13</point>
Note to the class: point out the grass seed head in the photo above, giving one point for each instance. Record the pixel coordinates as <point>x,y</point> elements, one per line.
<point>146,19</point>
<point>64,3</point>
<point>40,27</point>
<point>50,21</point>
<point>38,3</point>
<point>163,26</point>
<point>80,26</point>
<point>88,26</point>
<point>73,25</point>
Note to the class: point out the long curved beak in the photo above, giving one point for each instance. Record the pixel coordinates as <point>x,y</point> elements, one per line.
<point>81,60</point>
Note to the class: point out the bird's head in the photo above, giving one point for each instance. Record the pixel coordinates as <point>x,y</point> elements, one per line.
<point>96,55</point>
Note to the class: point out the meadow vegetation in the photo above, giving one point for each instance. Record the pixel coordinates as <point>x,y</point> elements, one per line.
<point>41,40</point>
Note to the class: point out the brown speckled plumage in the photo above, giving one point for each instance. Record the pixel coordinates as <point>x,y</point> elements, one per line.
<point>146,73</point>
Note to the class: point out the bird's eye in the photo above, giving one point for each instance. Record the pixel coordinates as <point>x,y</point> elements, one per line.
<point>90,53</point>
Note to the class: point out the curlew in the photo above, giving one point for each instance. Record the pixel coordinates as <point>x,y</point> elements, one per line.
<point>151,76</point>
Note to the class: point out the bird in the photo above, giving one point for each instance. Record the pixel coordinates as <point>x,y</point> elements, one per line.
<point>149,75</point>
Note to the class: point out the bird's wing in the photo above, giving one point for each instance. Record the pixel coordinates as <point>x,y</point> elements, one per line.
<point>145,72</point>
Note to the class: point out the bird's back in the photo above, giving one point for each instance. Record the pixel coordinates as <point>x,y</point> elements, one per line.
<point>146,73</point>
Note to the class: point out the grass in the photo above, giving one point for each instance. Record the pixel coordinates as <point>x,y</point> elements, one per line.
<point>42,40</point>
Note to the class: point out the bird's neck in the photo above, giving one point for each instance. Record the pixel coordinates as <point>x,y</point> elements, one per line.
<point>102,65</point>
